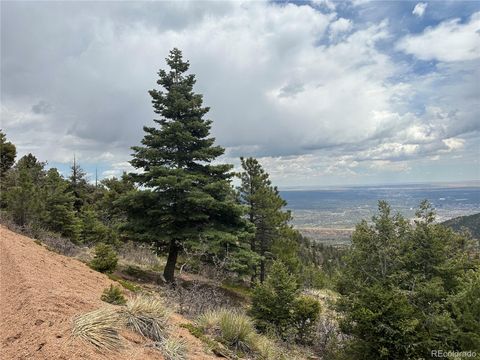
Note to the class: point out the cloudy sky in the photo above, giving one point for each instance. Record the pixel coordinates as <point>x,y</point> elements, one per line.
<point>323,93</point>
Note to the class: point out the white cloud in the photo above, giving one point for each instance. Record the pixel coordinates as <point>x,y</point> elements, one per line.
<point>360,2</point>
<point>387,165</point>
<point>389,151</point>
<point>117,169</point>
<point>18,115</point>
<point>419,9</point>
<point>110,174</point>
<point>449,41</point>
<point>340,26</point>
<point>454,143</point>
<point>328,4</point>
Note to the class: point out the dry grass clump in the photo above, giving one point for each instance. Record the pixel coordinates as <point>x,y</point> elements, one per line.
<point>236,330</point>
<point>173,349</point>
<point>209,319</point>
<point>232,328</point>
<point>147,316</point>
<point>99,328</point>
<point>264,348</point>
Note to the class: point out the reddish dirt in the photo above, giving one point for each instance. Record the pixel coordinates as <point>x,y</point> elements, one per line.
<point>40,293</point>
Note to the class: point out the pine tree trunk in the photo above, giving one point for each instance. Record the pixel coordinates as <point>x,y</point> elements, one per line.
<point>262,254</point>
<point>169,271</point>
<point>253,278</point>
<point>254,272</point>
<point>262,271</point>
<point>252,242</point>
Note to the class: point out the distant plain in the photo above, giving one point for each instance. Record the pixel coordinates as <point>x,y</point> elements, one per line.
<point>330,215</point>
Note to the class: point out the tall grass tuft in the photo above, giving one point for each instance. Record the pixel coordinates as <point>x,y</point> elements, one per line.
<point>147,316</point>
<point>233,328</point>
<point>265,348</point>
<point>236,329</point>
<point>173,349</point>
<point>209,319</point>
<point>99,328</point>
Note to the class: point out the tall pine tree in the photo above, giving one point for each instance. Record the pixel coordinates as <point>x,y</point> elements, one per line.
<point>107,196</point>
<point>23,193</point>
<point>186,199</point>
<point>59,214</point>
<point>8,151</point>
<point>265,211</point>
<point>78,185</point>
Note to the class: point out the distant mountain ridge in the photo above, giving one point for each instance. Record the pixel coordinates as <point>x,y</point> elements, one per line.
<point>469,222</point>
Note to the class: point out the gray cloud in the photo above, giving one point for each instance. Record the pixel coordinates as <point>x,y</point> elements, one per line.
<point>42,107</point>
<point>291,89</point>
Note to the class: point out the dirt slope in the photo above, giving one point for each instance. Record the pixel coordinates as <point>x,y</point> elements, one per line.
<point>40,292</point>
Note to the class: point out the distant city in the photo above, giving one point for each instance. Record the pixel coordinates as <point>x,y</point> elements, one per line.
<point>329,214</point>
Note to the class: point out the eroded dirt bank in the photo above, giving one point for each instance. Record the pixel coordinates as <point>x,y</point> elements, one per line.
<point>40,292</point>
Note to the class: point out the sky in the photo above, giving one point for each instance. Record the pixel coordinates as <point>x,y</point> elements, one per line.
<point>323,93</point>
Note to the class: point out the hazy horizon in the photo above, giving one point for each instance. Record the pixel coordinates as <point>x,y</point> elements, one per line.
<point>432,184</point>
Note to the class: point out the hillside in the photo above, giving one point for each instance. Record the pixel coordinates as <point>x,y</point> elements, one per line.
<point>40,293</point>
<point>470,222</point>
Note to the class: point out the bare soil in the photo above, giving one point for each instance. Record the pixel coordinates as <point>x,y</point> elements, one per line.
<point>41,292</point>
